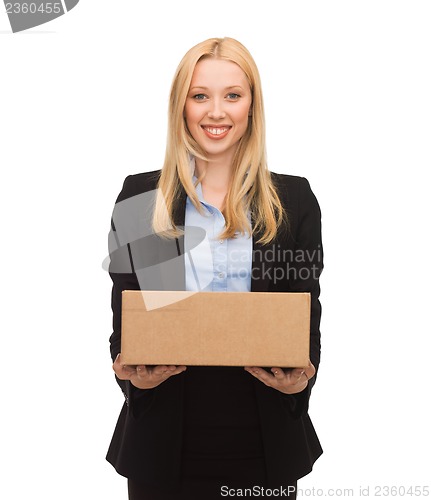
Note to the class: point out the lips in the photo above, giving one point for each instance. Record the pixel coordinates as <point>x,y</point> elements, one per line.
<point>216,133</point>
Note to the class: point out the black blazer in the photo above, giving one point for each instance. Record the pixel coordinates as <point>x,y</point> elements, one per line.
<point>146,444</point>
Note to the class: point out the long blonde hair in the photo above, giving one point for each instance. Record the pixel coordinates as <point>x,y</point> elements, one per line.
<point>251,187</point>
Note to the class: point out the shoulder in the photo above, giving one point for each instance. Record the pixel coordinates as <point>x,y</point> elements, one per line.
<point>284,182</point>
<point>304,218</point>
<point>138,184</point>
<point>294,191</point>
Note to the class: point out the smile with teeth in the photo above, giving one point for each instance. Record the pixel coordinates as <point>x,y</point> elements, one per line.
<point>216,131</point>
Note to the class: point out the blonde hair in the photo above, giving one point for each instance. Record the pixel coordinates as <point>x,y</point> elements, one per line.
<point>252,191</point>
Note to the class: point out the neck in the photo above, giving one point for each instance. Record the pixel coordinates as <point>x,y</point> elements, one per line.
<point>218,172</point>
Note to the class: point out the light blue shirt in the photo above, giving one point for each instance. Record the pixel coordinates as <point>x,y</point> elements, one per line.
<point>215,265</point>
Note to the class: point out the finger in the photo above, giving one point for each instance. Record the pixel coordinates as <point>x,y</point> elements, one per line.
<point>161,370</point>
<point>117,362</point>
<point>278,373</point>
<point>296,374</point>
<point>165,371</point>
<point>177,370</point>
<point>310,371</point>
<point>261,374</point>
<point>127,370</point>
<point>122,371</point>
<point>143,371</point>
<point>296,377</point>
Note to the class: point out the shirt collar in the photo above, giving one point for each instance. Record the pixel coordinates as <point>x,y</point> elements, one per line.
<point>192,165</point>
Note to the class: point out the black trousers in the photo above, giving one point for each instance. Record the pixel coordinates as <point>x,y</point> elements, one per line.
<point>216,480</point>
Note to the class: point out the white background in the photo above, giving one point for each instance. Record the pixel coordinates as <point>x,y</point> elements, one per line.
<point>83,103</point>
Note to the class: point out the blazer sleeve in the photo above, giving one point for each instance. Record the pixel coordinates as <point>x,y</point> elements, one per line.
<point>305,272</point>
<point>123,277</point>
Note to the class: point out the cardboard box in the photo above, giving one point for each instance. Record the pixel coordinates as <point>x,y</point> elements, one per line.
<point>215,328</point>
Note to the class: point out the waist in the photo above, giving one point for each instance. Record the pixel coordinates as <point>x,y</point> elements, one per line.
<point>221,419</point>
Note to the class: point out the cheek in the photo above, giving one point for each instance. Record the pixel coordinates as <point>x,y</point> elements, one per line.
<point>242,115</point>
<point>191,115</point>
<point>245,108</point>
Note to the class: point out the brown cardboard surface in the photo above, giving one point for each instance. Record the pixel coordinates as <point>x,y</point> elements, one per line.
<point>215,328</point>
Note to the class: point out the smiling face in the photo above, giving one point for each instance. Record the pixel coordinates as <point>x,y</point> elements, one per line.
<point>217,107</point>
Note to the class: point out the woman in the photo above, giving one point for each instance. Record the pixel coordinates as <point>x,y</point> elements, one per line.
<point>209,432</point>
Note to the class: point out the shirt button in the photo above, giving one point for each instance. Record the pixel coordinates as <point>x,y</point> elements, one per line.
<point>221,242</point>
<point>220,275</point>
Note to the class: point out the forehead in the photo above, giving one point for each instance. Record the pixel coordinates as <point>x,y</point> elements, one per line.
<point>212,73</point>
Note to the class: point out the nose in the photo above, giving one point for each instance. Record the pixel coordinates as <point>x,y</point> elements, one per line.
<point>216,110</point>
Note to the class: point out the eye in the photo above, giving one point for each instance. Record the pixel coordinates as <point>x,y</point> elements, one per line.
<point>232,96</point>
<point>199,97</point>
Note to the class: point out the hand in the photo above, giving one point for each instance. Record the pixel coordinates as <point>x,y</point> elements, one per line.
<point>287,381</point>
<point>144,376</point>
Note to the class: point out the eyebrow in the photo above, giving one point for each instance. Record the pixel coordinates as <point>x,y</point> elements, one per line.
<point>226,88</point>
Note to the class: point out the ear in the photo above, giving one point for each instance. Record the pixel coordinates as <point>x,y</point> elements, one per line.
<point>250,112</point>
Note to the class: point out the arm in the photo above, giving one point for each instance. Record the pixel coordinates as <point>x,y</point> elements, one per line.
<point>308,241</point>
<point>123,278</point>
<point>295,385</point>
<point>133,381</point>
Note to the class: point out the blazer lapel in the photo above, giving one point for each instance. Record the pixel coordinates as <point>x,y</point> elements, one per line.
<point>179,217</point>
<point>260,268</point>
<point>179,214</point>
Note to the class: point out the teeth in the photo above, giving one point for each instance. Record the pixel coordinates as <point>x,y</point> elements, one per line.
<point>216,131</point>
